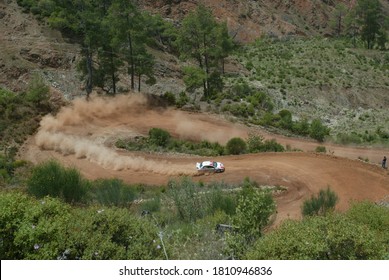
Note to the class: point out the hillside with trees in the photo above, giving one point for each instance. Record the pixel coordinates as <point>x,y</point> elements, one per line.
<point>315,71</point>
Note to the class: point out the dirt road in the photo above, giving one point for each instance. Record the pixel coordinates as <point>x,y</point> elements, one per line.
<point>83,135</point>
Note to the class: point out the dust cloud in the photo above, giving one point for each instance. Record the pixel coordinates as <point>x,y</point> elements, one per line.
<point>64,133</point>
<point>78,129</point>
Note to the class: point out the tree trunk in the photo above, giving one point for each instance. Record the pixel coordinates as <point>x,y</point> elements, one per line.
<point>131,69</point>
<point>89,79</point>
<point>139,76</point>
<point>113,74</point>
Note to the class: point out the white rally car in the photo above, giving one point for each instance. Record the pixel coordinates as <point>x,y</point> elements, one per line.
<point>210,166</point>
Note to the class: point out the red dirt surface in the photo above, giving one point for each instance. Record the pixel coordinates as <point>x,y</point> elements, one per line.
<point>82,136</point>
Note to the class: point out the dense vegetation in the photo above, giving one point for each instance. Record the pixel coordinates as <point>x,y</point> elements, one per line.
<point>182,220</point>
<point>20,112</point>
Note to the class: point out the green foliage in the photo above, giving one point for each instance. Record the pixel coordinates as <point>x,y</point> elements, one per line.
<point>337,21</point>
<point>51,230</point>
<point>253,211</point>
<point>170,98</point>
<point>159,137</point>
<point>18,117</point>
<point>318,131</point>
<point>183,99</point>
<point>193,77</point>
<point>321,149</point>
<point>203,148</point>
<point>38,92</point>
<point>252,214</point>
<point>189,205</point>
<point>198,240</point>
<point>332,237</point>
<point>12,210</point>
<point>113,192</point>
<point>286,119</point>
<point>112,34</point>
<point>372,215</point>
<point>371,20</point>
<point>254,143</point>
<point>51,179</point>
<point>301,127</point>
<point>206,41</point>
<point>8,164</point>
<point>271,146</point>
<point>193,202</point>
<point>236,146</point>
<point>152,205</point>
<point>321,204</point>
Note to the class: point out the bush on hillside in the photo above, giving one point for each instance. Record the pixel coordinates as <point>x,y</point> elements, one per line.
<point>272,146</point>
<point>236,146</point>
<point>193,202</point>
<point>113,192</point>
<point>318,131</point>
<point>38,92</point>
<point>321,149</point>
<point>159,137</point>
<point>253,213</point>
<point>52,179</point>
<point>321,204</point>
<point>254,143</point>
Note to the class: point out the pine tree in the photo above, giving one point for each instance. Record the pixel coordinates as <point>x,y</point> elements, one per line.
<point>201,38</point>
<point>371,20</point>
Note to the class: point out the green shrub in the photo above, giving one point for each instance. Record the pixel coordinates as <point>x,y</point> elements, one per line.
<point>38,92</point>
<point>321,149</point>
<point>113,192</point>
<point>152,205</point>
<point>272,146</point>
<point>252,214</point>
<point>301,127</point>
<point>159,137</point>
<point>51,230</point>
<point>199,240</point>
<point>189,205</point>
<point>8,165</point>
<point>374,216</point>
<point>286,119</point>
<point>254,143</point>
<point>170,98</point>
<point>344,138</point>
<point>13,206</point>
<point>318,131</point>
<point>321,204</point>
<point>193,201</point>
<point>236,146</point>
<point>183,99</point>
<point>333,237</point>
<point>50,178</point>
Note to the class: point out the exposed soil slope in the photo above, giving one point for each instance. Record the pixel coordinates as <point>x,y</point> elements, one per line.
<point>83,135</point>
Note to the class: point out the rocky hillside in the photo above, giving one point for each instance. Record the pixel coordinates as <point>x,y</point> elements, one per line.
<point>249,19</point>
<point>28,46</point>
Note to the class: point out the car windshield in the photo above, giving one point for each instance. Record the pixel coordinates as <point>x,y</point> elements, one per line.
<point>215,164</point>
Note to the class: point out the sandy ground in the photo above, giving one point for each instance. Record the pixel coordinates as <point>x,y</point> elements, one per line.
<point>82,136</point>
